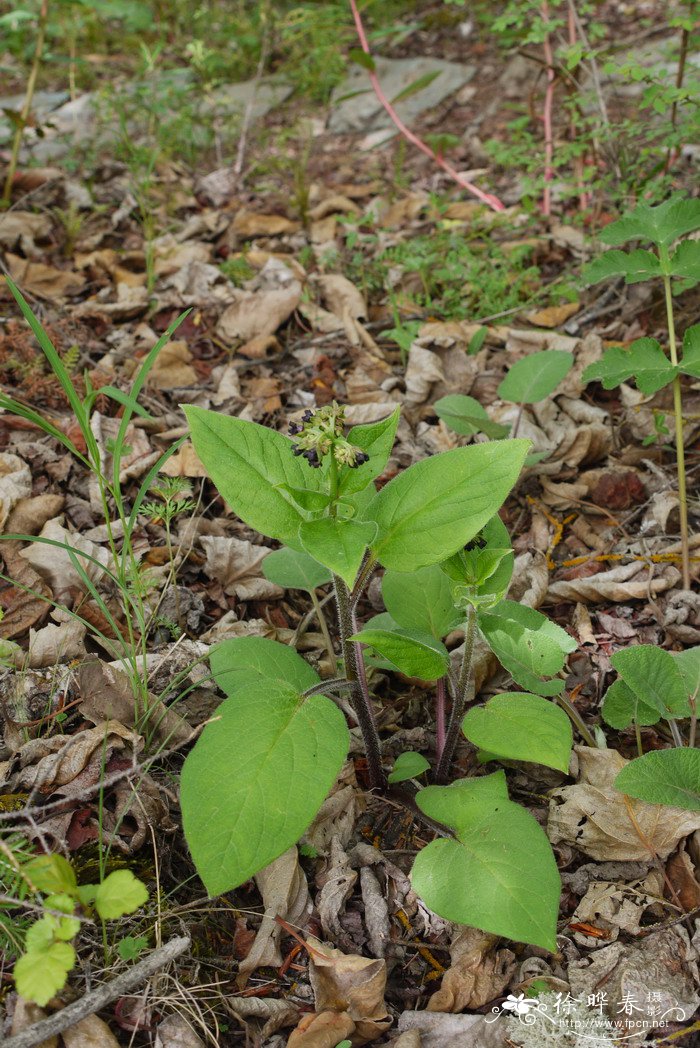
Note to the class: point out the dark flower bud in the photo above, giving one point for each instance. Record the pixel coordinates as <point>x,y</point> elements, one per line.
<point>307,416</point>
<point>298,451</point>
<point>361,457</point>
<point>311,457</point>
<point>295,429</point>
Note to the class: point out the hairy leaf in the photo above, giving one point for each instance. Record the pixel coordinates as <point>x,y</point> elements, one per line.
<point>411,651</point>
<point>408,765</point>
<point>654,677</point>
<point>377,440</point>
<point>466,416</point>
<point>685,263</point>
<point>690,364</point>
<point>243,662</point>
<point>294,569</point>
<point>120,893</point>
<point>536,376</point>
<point>338,544</point>
<point>528,645</point>
<point>40,975</point>
<point>421,600</point>
<point>622,707</point>
<point>662,224</point>
<point>521,727</point>
<point>664,777</point>
<point>634,266</point>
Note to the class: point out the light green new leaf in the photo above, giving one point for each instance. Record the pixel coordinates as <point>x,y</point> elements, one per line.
<point>644,361</point>
<point>690,364</point>
<point>669,777</point>
<point>411,651</point>
<point>256,778</point>
<point>377,440</point>
<point>294,569</point>
<point>634,266</point>
<point>499,874</point>
<point>338,544</point>
<point>421,600</point>
<point>437,505</point>
<point>243,662</point>
<point>249,463</point>
<point>655,678</point>
<point>408,765</point>
<point>536,376</point>
<point>662,224</point>
<point>119,893</point>
<point>466,416</point>
<point>521,727</point>
<point>685,263</point>
<point>527,644</point>
<point>51,874</point>
<point>688,662</point>
<point>40,975</point>
<point>621,707</point>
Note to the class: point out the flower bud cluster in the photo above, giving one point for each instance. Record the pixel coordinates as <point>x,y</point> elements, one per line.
<point>319,433</point>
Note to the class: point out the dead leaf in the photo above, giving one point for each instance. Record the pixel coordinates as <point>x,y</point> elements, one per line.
<point>56,642</point>
<point>272,1012</point>
<point>259,313</point>
<point>613,907</point>
<point>252,224</point>
<point>336,204</point>
<point>172,255</point>
<point>23,228</point>
<point>682,875</point>
<point>30,514</point>
<point>176,1032</point>
<point>184,463</point>
<point>553,316</point>
<point>625,582</point>
<point>477,974</point>
<point>350,983</point>
<point>337,888</point>
<point>173,368</point>
<point>25,1014</point>
<point>376,912</point>
<point>15,484</point>
<point>36,278</point>
<point>593,816</point>
<point>337,815</point>
<point>424,368</point>
<point>682,616</point>
<point>235,563</point>
<point>106,692</point>
<point>443,1030</point>
<point>54,562</point>
<point>322,1031</point>
<point>90,1032</point>
<point>283,887</point>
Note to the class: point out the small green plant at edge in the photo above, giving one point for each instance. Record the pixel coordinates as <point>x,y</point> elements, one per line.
<point>644,361</point>
<point>260,771</point>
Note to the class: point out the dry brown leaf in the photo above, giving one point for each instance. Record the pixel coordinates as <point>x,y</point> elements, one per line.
<point>236,564</point>
<point>56,643</point>
<point>176,1032</point>
<point>376,912</point>
<point>614,907</point>
<point>90,1032</point>
<point>338,813</point>
<point>106,692</point>
<point>131,302</point>
<point>184,463</point>
<point>173,368</point>
<point>29,515</point>
<point>595,818</point>
<point>252,224</point>
<point>341,296</point>
<point>54,563</point>
<point>682,875</point>
<point>258,313</point>
<point>424,368</point>
<point>25,1014</point>
<point>15,484</point>
<point>23,228</point>
<point>553,316</point>
<point>49,763</point>
<point>336,204</point>
<point>282,885</point>
<point>478,973</point>
<point>36,278</point>
<point>272,1012</point>
<point>337,888</point>
<point>322,1031</point>
<point>25,609</point>
<point>172,255</point>
<point>625,582</point>
<point>444,1030</point>
<point>350,983</point>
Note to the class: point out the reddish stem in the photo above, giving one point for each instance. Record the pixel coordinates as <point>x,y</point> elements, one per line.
<point>547,116</point>
<point>487,198</point>
<point>440,718</point>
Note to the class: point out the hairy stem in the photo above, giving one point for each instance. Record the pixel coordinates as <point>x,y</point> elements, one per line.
<point>459,702</point>
<point>678,419</point>
<point>355,672</point>
<point>440,718</point>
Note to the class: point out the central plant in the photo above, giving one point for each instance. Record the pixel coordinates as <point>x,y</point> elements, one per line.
<point>259,773</point>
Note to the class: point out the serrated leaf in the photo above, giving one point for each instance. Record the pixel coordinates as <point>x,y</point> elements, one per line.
<point>437,505</point>
<point>408,765</point>
<point>690,364</point>
<point>527,644</point>
<point>644,361</point>
<point>40,975</point>
<point>413,652</point>
<point>294,569</point>
<point>670,777</point>
<point>52,874</point>
<point>499,874</point>
<point>535,376</point>
<point>256,778</point>
<point>521,727</point>
<point>654,677</point>
<point>243,662</point>
<point>685,262</point>
<point>662,223</point>
<point>249,464</point>
<point>119,893</point>
<point>338,544</point>
<point>466,416</point>
<point>634,266</point>
<point>421,600</point>
<point>377,440</point>
<point>621,707</point>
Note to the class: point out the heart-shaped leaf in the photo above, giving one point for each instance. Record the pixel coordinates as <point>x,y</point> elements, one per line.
<point>242,662</point>
<point>413,652</point>
<point>521,727</point>
<point>338,544</point>
<point>664,777</point>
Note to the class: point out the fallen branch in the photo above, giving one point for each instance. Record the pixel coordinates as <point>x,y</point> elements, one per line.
<point>97,999</point>
<point>486,198</point>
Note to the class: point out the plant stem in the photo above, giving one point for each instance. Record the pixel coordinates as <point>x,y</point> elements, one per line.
<point>575,718</point>
<point>459,701</point>
<point>27,105</point>
<point>354,671</point>
<point>440,718</point>
<point>678,418</point>
<point>324,625</point>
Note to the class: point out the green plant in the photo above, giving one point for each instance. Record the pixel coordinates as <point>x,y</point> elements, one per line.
<point>259,773</point>
<point>41,971</point>
<point>645,362</point>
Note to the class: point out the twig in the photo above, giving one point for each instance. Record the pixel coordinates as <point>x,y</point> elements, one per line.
<point>486,198</point>
<point>97,999</point>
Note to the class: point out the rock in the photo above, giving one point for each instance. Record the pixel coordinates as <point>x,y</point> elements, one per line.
<point>363,111</point>
<point>268,93</point>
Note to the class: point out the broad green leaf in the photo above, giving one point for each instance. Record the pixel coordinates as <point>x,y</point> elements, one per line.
<point>669,777</point>
<point>41,934</point>
<point>40,975</point>
<point>527,644</point>
<point>294,569</point>
<point>437,505</point>
<point>690,364</point>
<point>536,376</point>
<point>621,707</point>
<point>634,266</point>
<point>521,727</point>
<point>256,778</point>
<point>644,361</point>
<point>51,874</point>
<point>466,416</point>
<point>493,538</point>
<point>499,874</point>
<point>408,765</point>
<point>243,662</point>
<point>338,544</point>
<point>654,676</point>
<point>377,440</point>
<point>685,263</point>
<point>411,651</point>
<point>119,893</point>
<point>688,662</point>
<point>662,224</point>
<point>421,600</point>
<point>249,463</point>
<point>312,501</point>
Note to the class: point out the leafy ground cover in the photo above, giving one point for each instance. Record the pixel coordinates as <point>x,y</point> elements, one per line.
<point>349,525</point>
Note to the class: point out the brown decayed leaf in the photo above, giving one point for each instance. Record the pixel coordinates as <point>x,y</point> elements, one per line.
<point>325,1030</point>
<point>90,1032</point>
<point>253,224</point>
<point>350,983</point>
<point>553,316</point>
<point>173,368</point>
<point>478,972</point>
<point>236,564</point>
<point>271,1012</point>
<point>49,763</point>
<point>682,875</point>
<point>15,484</point>
<point>36,278</point>
<point>625,582</point>
<point>106,693</point>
